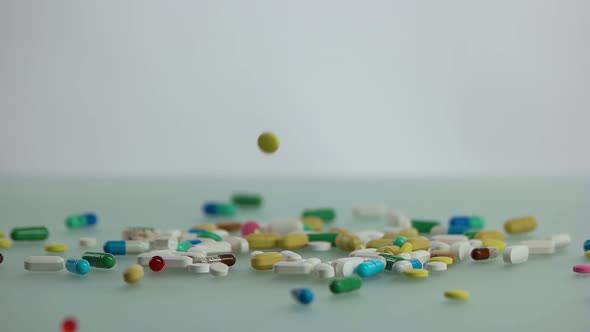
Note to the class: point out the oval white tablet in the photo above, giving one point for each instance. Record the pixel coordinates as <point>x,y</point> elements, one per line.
<point>44,263</point>
<point>87,242</point>
<point>285,226</point>
<point>313,261</point>
<point>320,245</point>
<point>292,268</point>
<point>218,269</point>
<point>346,267</point>
<point>449,238</point>
<point>435,266</point>
<point>439,230</point>
<point>364,252</point>
<point>516,254</point>
<point>199,268</point>
<point>213,248</point>
<point>324,271</point>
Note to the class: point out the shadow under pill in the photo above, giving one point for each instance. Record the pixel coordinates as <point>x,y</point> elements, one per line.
<point>453,303</point>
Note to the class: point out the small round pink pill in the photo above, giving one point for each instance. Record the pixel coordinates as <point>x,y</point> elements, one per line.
<point>249,227</point>
<point>582,268</point>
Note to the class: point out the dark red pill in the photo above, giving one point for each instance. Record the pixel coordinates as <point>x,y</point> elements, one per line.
<point>157,263</point>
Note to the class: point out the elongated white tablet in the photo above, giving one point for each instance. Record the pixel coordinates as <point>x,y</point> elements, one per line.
<point>320,245</point>
<point>516,254</point>
<point>163,243</point>
<point>439,230</point>
<point>213,248</point>
<point>540,247</point>
<point>402,266</point>
<point>398,219</point>
<point>435,266</point>
<point>191,254</point>
<point>177,261</point>
<point>87,242</point>
<point>292,268</point>
<point>324,271</point>
<point>422,255</point>
<point>561,240</point>
<point>462,250</point>
<point>285,226</point>
<point>144,258</point>
<point>369,252</point>
<point>289,255</point>
<point>44,263</point>
<point>449,238</point>
<point>199,268</point>
<point>369,211</point>
<point>238,244</point>
<point>439,245</point>
<point>313,261</point>
<point>368,235</point>
<point>218,269</point>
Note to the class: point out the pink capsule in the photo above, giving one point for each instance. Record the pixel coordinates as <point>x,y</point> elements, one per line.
<point>582,268</point>
<point>249,227</point>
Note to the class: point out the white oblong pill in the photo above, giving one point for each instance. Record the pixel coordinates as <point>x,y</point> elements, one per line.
<point>539,247</point>
<point>144,258</point>
<point>462,250</point>
<point>163,243</point>
<point>198,268</point>
<point>197,249</point>
<point>285,226</point>
<point>516,254</point>
<point>289,255</point>
<point>561,240</point>
<point>44,263</point>
<point>177,261</point>
<point>449,238</point>
<point>398,219</point>
<point>404,255</point>
<point>320,245</point>
<point>401,266</point>
<point>87,242</point>
<point>292,268</point>
<point>191,254</point>
<point>214,248</point>
<point>313,261</point>
<point>476,243</point>
<point>435,266</point>
<point>221,232</point>
<point>324,271</point>
<point>422,255</point>
<point>364,252</point>
<point>218,269</point>
<point>439,230</point>
<point>439,245</point>
<point>346,268</point>
<point>256,252</point>
<point>238,244</point>
<point>369,211</point>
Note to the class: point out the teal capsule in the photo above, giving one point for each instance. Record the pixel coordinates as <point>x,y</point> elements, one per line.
<point>81,220</point>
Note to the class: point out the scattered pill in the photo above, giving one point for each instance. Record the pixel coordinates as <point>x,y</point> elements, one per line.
<point>36,233</point>
<point>457,294</point>
<point>424,226</point>
<point>449,238</point>
<point>416,273</point>
<point>348,242</point>
<point>457,229</point>
<point>345,267</point>
<point>230,226</point>
<point>496,235</point>
<point>402,266</point>
<point>87,219</point>
<point>316,224</point>
<point>292,268</point>
<point>435,266</point>
<point>324,271</point>
<point>500,245</point>
<point>561,240</point>
<point>326,214</point>
<point>302,295</point>
<point>313,261</point>
<point>370,268</point>
<point>539,247</point>
<point>69,324</point>
<point>87,242</point>
<point>520,225</point>
<point>268,142</point>
<point>5,243</point>
<point>199,268</point>
<point>586,245</point>
<point>266,260</point>
<point>44,263</point>
<point>227,259</point>
<point>462,250</point>
<point>484,253</point>
<point>218,269</point>
<point>345,285</point>
<point>293,241</point>
<point>246,200</point>
<point>238,245</point>
<point>422,255</point>
<point>249,227</point>
<point>263,240</point>
<point>404,255</point>
<point>581,268</point>
<point>218,209</point>
<point>320,245</point>
<point>1,258</point>
<point>442,259</point>
<point>398,219</point>
<point>467,222</point>
<point>77,266</point>
<point>516,254</point>
<point>399,240</point>
<point>369,211</point>
<point>133,274</point>
<point>56,247</point>
<point>99,260</point>
<point>439,245</point>
<point>289,255</point>
<point>378,243</point>
<point>157,263</point>
<point>125,247</point>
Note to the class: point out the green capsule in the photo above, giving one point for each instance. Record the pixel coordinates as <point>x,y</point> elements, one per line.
<point>210,235</point>
<point>346,285</point>
<point>424,226</point>
<point>246,200</point>
<point>99,260</point>
<point>326,214</point>
<point>390,260</point>
<point>183,246</point>
<point>470,234</point>
<point>328,237</point>
<point>29,233</point>
<point>399,240</point>
<point>81,220</point>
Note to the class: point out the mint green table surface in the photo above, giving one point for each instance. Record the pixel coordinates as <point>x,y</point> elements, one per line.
<point>540,295</point>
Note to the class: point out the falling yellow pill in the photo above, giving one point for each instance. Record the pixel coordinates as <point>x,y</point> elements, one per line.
<point>5,243</point>
<point>587,253</point>
<point>56,247</point>
<point>133,274</point>
<point>268,142</point>
<point>457,294</point>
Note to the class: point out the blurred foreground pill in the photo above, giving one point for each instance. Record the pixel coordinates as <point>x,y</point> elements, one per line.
<point>516,254</point>
<point>5,243</point>
<point>467,222</point>
<point>87,219</point>
<point>520,225</point>
<point>397,219</point>
<point>424,226</point>
<point>435,266</point>
<point>326,214</point>
<point>540,247</point>
<point>87,242</point>
<point>133,274</point>
<point>581,268</point>
<point>219,209</point>
<point>44,263</point>
<point>268,142</point>
<point>416,273</point>
<point>457,294</point>
<point>345,285</point>
<point>302,295</point>
<point>69,324</point>
<point>561,240</point>
<point>78,266</point>
<point>320,245</point>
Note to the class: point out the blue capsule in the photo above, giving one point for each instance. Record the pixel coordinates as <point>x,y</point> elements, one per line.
<point>78,266</point>
<point>219,209</point>
<point>457,229</point>
<point>472,223</point>
<point>416,263</point>
<point>302,295</point>
<point>587,245</point>
<point>370,268</point>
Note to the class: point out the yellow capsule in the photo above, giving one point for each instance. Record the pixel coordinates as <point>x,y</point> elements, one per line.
<point>501,245</point>
<point>56,247</point>
<point>416,273</point>
<point>496,235</point>
<point>378,243</point>
<point>293,241</point>
<point>587,253</point>
<point>457,294</point>
<point>266,260</point>
<point>390,235</point>
<point>133,274</point>
<point>409,232</point>
<point>442,259</point>
<point>419,242</point>
<point>206,226</point>
<point>520,225</point>
<point>392,250</point>
<point>316,224</point>
<point>348,242</point>
<point>407,247</point>
<point>1,234</point>
<point>5,243</point>
<point>263,240</point>
<point>338,230</point>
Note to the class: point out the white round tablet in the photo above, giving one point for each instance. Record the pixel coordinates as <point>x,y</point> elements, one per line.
<point>218,269</point>
<point>435,266</point>
<point>199,268</point>
<point>87,242</point>
<point>320,245</point>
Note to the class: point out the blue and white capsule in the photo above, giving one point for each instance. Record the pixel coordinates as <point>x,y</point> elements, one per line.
<point>125,247</point>
<point>416,263</point>
<point>302,295</point>
<point>78,266</point>
<point>370,268</point>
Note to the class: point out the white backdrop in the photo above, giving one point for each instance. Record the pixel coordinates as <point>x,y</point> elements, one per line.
<point>351,87</point>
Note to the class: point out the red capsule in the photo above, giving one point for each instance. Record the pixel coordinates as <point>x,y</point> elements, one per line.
<point>480,254</point>
<point>157,263</point>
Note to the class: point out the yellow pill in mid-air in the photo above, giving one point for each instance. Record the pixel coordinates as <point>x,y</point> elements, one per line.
<point>1,234</point>
<point>268,142</point>
<point>416,273</point>
<point>133,274</point>
<point>587,253</point>
<point>56,247</point>
<point>442,259</point>
<point>457,294</point>
<point>5,243</point>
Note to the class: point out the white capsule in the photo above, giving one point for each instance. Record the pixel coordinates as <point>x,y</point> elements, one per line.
<point>320,245</point>
<point>476,243</point>
<point>218,269</point>
<point>289,255</point>
<point>164,242</point>
<point>422,255</point>
<point>462,250</point>
<point>285,226</point>
<point>256,252</point>
<point>439,230</point>
<point>292,268</point>
<point>401,266</point>
<point>313,261</point>
<point>369,252</point>
<point>238,244</point>
<point>561,240</point>
<point>87,242</point>
<point>44,263</point>
<point>369,211</point>
<point>221,232</point>
<point>516,254</point>
<point>398,219</point>
<point>144,258</point>
<point>435,266</point>
<point>449,238</point>
<point>404,255</point>
<point>198,268</point>
<point>540,247</point>
<point>213,248</point>
<point>344,267</point>
<point>177,261</point>
<point>324,271</point>
<point>439,245</point>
